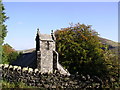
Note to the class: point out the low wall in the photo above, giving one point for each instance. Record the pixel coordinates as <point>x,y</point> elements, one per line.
<point>33,77</point>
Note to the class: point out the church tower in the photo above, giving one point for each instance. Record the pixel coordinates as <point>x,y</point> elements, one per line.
<point>45,52</point>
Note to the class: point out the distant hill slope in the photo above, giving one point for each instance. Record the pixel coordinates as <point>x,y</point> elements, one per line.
<point>27,50</point>
<point>109,42</point>
<point>113,46</point>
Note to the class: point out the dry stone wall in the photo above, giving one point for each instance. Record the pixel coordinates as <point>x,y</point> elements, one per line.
<point>33,77</point>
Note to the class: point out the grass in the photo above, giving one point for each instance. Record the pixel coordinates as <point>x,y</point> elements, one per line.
<point>6,84</point>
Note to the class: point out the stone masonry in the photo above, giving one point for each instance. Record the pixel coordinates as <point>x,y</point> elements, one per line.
<point>47,57</point>
<point>33,77</point>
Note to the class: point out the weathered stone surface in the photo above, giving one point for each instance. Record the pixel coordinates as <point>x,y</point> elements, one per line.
<point>47,57</point>
<point>54,80</point>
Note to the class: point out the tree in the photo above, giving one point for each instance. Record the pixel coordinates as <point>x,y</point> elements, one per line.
<point>7,50</point>
<point>3,29</point>
<point>81,51</point>
<point>2,25</point>
<point>112,58</point>
<point>9,54</point>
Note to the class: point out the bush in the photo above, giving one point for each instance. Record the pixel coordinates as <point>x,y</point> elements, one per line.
<point>9,54</point>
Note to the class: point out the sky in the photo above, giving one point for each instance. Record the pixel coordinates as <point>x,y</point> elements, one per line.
<point>60,0</point>
<point>26,17</point>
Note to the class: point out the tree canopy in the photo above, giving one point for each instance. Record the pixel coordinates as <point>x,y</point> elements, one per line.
<point>3,27</point>
<point>9,54</point>
<point>80,50</point>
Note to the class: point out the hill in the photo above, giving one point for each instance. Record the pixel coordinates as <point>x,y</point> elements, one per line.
<point>109,42</point>
<point>112,45</point>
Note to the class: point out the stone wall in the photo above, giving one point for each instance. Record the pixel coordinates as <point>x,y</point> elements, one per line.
<point>33,77</point>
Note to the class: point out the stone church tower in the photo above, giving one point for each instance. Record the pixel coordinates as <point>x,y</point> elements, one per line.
<point>47,57</point>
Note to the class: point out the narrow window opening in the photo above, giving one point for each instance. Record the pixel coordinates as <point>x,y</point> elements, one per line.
<point>48,45</point>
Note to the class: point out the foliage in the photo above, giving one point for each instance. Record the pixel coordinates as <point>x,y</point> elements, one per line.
<point>6,84</point>
<point>112,56</point>
<point>113,67</point>
<point>7,48</point>
<point>2,25</point>
<point>81,51</point>
<point>9,54</point>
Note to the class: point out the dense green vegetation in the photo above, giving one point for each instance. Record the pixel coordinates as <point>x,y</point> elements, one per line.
<point>9,54</point>
<point>17,85</point>
<point>80,50</point>
<point>3,18</point>
<point>3,29</point>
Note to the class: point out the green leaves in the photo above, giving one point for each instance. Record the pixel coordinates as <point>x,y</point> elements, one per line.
<point>3,32</point>
<point>79,49</point>
<point>3,18</point>
<point>9,54</point>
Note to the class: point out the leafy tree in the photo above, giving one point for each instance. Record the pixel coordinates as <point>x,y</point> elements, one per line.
<point>9,54</point>
<point>13,56</point>
<point>81,51</point>
<point>2,25</point>
<point>3,29</point>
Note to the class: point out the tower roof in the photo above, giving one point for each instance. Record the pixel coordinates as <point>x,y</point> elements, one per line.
<point>46,37</point>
